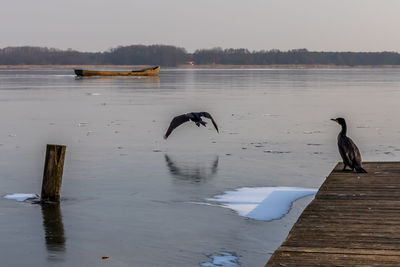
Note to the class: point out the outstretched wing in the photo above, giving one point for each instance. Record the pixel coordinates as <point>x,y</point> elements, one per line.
<point>178,120</point>
<point>208,116</point>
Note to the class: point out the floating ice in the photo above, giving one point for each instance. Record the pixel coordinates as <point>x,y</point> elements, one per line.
<point>93,94</point>
<point>82,124</point>
<point>21,196</point>
<point>262,203</point>
<point>271,115</point>
<point>222,259</point>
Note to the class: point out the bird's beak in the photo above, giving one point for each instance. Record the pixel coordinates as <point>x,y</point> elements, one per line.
<point>333,120</point>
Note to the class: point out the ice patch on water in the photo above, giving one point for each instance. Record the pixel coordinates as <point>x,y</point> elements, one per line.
<point>93,94</point>
<point>222,259</point>
<point>203,203</point>
<point>21,196</point>
<point>262,203</point>
<point>271,115</point>
<point>82,124</point>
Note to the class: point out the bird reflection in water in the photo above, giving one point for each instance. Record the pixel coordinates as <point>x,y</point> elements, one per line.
<point>194,174</point>
<point>53,230</point>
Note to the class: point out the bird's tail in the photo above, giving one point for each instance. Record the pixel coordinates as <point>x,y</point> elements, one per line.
<point>360,169</point>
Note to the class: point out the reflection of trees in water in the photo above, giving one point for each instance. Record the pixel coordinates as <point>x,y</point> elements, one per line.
<point>194,173</point>
<point>53,230</point>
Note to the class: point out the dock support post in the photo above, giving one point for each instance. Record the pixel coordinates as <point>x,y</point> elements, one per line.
<point>52,174</point>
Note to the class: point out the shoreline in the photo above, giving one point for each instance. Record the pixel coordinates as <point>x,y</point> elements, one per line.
<point>209,66</point>
<point>285,66</point>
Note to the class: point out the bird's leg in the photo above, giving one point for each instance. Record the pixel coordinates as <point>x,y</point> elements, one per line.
<point>344,168</point>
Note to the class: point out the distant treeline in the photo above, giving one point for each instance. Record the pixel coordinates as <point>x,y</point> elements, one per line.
<point>124,55</point>
<point>172,56</point>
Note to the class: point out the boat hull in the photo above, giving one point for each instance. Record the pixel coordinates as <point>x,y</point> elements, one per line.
<point>153,71</point>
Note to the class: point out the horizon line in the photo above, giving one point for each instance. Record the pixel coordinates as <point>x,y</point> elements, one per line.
<point>199,49</point>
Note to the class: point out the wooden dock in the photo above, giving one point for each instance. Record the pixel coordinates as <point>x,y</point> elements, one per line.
<point>354,220</point>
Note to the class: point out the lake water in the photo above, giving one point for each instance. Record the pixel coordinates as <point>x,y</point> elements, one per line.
<point>130,195</point>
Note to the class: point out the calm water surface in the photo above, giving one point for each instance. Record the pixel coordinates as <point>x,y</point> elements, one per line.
<point>127,193</point>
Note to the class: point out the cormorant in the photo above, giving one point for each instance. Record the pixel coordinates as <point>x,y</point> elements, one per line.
<point>348,150</point>
<point>193,116</point>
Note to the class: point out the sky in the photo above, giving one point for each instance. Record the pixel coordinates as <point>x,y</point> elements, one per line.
<point>98,25</point>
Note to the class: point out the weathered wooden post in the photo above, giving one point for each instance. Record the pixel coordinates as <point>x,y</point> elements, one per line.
<point>52,174</point>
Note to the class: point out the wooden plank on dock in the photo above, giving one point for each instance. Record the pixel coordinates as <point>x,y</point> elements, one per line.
<point>354,220</point>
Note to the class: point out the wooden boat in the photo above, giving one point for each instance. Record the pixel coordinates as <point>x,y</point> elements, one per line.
<point>153,71</point>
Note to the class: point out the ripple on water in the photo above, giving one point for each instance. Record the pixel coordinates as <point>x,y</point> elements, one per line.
<point>276,152</point>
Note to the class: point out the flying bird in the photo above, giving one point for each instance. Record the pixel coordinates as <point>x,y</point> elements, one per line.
<point>193,116</point>
<point>348,150</point>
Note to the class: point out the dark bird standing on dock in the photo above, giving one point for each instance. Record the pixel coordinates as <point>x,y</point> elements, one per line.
<point>348,150</point>
<point>193,116</point>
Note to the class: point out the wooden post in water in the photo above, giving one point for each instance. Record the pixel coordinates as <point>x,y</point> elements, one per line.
<point>52,174</point>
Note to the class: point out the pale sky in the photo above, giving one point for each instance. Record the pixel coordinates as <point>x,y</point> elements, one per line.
<point>97,25</point>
